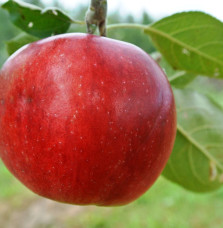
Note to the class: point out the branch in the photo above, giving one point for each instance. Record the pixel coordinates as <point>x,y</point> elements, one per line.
<point>96,17</point>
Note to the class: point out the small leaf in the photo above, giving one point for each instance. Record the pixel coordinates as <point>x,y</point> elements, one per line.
<point>19,41</point>
<point>196,162</point>
<point>181,79</point>
<point>190,41</point>
<point>36,21</point>
<point>178,79</point>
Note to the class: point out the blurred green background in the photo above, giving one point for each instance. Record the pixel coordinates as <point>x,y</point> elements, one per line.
<point>165,205</point>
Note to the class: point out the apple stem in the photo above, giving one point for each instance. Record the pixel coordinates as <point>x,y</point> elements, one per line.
<point>96,17</point>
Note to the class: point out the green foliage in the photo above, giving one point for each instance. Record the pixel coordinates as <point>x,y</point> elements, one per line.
<point>177,79</point>
<point>196,161</point>
<point>190,41</point>
<point>181,79</point>
<point>19,41</point>
<point>210,87</point>
<point>7,32</point>
<point>36,21</point>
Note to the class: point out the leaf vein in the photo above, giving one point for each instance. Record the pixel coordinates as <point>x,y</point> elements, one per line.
<point>184,45</point>
<point>199,146</point>
<point>192,165</point>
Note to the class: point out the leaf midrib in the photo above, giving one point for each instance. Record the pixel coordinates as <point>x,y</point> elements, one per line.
<point>184,45</point>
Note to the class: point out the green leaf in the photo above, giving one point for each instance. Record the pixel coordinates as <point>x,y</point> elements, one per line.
<point>36,21</point>
<point>190,41</point>
<point>181,79</point>
<point>19,41</point>
<point>209,86</point>
<point>196,162</point>
<point>178,79</point>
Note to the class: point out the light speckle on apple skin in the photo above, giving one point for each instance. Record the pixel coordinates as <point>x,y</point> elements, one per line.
<point>94,114</point>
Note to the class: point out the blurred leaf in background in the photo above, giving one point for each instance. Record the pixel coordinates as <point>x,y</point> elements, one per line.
<point>8,31</point>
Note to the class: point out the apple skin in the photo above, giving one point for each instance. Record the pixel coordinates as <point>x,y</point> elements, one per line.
<point>85,119</point>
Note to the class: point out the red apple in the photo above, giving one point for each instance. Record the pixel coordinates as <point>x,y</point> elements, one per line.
<point>85,119</point>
